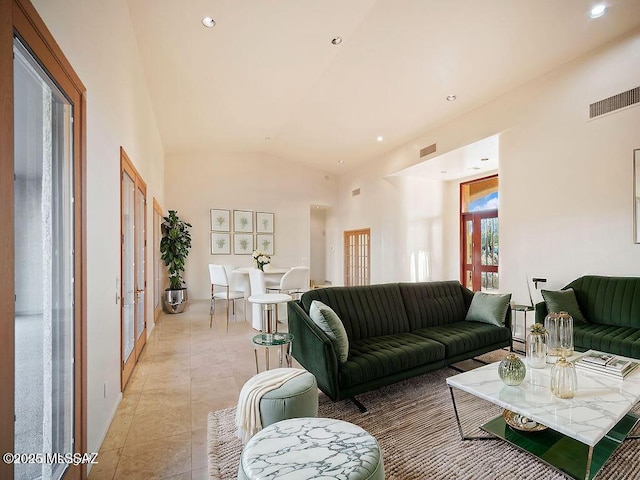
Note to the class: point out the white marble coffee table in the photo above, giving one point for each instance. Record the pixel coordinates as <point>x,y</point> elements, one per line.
<point>597,418</point>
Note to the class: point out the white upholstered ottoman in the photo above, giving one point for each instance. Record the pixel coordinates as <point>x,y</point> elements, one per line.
<point>312,448</point>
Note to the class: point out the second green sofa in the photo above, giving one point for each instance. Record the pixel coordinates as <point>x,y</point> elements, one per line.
<point>610,307</point>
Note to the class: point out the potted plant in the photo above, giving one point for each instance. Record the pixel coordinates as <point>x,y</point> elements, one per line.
<point>174,248</point>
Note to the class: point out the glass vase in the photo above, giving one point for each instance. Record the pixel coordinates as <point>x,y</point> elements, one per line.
<point>512,370</point>
<point>537,348</point>
<point>564,381</point>
<point>559,326</point>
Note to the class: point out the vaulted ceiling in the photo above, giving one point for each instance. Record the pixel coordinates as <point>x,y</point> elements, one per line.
<point>268,79</point>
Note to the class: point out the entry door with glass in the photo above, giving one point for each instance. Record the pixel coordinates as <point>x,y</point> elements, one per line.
<point>133,284</point>
<point>479,234</point>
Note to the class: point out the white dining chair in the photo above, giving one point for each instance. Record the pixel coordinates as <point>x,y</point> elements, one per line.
<point>220,278</point>
<point>295,281</point>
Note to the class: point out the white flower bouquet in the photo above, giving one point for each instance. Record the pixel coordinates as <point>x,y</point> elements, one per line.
<point>261,259</point>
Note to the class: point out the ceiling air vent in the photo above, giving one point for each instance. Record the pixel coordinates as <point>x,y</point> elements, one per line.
<point>355,193</point>
<point>611,104</point>
<point>427,150</point>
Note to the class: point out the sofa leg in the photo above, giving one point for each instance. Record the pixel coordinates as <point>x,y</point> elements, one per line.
<point>357,403</point>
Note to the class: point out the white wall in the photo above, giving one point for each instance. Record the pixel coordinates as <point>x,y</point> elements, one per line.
<point>98,40</point>
<point>318,245</point>
<point>198,182</point>
<point>565,183</point>
<point>406,222</point>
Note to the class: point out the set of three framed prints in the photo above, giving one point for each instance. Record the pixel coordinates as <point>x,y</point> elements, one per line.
<point>250,230</point>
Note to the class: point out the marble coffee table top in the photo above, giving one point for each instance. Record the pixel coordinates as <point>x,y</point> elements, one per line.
<point>600,403</point>
<point>311,448</point>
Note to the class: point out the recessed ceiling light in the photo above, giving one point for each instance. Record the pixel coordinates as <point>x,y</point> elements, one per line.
<point>208,22</point>
<point>340,161</point>
<point>336,40</point>
<point>597,11</point>
<point>379,138</point>
<point>484,159</point>
<point>451,98</point>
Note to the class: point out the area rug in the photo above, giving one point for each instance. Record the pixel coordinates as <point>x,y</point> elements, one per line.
<point>415,426</point>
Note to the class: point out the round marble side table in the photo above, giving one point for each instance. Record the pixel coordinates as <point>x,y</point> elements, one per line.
<point>307,448</point>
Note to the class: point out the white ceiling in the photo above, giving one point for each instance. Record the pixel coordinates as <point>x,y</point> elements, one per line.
<point>477,158</point>
<point>267,79</point>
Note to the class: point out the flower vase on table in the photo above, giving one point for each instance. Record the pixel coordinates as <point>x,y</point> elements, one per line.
<point>261,259</point>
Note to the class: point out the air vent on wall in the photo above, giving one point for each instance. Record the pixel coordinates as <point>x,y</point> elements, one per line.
<point>611,104</point>
<point>428,150</point>
<point>355,192</point>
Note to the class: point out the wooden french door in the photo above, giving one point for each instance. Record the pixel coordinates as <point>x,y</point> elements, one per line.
<point>480,250</point>
<point>357,256</point>
<point>133,279</point>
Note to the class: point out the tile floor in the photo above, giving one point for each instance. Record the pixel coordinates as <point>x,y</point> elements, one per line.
<point>185,371</point>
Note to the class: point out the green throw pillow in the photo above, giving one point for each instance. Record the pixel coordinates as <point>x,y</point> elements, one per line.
<point>488,308</point>
<point>329,322</point>
<point>563,301</point>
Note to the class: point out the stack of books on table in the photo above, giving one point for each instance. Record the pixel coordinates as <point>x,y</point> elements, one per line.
<point>606,363</point>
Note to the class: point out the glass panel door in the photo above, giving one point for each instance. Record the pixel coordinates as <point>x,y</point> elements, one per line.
<point>480,250</point>
<point>134,324</point>
<point>356,257</point>
<point>44,266</point>
<point>128,275</point>
<point>140,264</point>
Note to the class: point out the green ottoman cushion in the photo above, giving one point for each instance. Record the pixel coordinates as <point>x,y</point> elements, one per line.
<point>296,398</point>
<point>312,448</point>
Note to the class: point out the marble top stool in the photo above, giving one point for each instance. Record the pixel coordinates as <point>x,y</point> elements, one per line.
<point>308,448</point>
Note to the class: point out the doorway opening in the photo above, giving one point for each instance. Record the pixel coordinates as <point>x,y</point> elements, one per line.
<point>479,234</point>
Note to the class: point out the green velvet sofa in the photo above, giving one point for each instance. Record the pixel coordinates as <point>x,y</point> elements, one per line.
<point>611,309</point>
<point>395,331</point>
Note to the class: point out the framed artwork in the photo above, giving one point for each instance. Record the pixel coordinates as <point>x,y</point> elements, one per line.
<point>220,243</point>
<point>242,221</point>
<point>265,243</point>
<point>264,222</point>
<point>220,220</point>
<point>242,244</point>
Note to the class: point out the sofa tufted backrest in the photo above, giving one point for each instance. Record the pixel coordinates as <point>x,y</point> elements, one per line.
<point>366,311</point>
<point>435,303</point>
<point>609,300</point>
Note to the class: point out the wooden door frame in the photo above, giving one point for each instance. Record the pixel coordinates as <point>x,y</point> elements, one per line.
<point>462,226</point>
<point>477,245</point>
<point>346,235</point>
<point>21,17</point>
<point>126,166</point>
